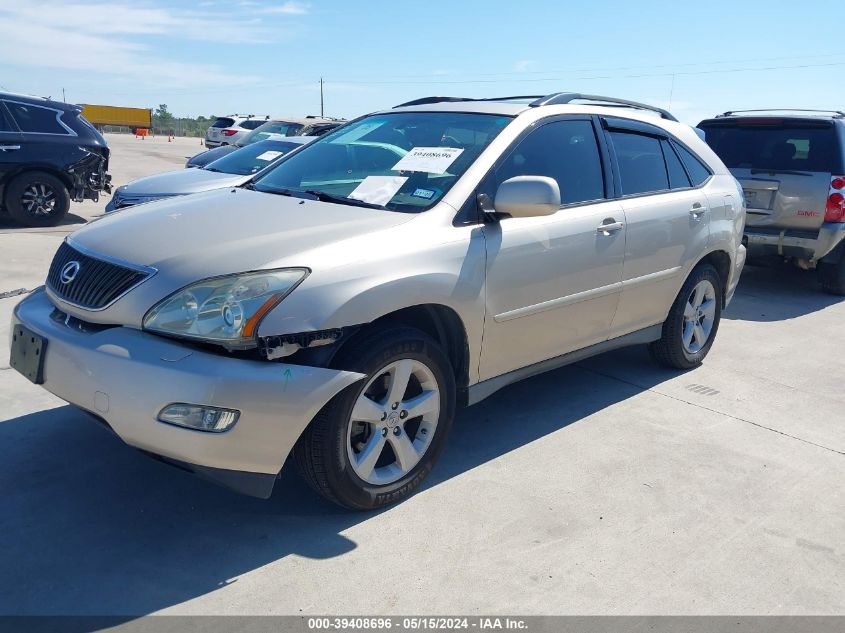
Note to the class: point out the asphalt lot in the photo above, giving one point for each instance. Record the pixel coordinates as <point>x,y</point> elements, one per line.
<point>610,487</point>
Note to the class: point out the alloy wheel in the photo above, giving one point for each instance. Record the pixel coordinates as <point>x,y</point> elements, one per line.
<point>699,316</point>
<point>39,199</point>
<point>393,422</point>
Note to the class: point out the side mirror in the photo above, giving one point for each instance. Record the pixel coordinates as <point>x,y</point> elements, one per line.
<point>528,196</point>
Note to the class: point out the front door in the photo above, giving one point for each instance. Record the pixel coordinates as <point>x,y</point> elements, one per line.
<point>553,282</point>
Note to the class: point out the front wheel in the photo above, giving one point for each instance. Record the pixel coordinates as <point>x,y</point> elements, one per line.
<point>690,328</point>
<point>375,442</point>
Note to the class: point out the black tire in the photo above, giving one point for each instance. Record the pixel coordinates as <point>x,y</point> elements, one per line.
<point>23,184</point>
<point>321,452</point>
<point>832,276</point>
<point>669,350</point>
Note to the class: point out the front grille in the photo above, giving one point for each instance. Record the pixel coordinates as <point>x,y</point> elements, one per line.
<point>97,283</point>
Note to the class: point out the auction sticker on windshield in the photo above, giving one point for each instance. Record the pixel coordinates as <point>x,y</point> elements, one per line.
<point>378,189</point>
<point>269,155</point>
<point>431,160</point>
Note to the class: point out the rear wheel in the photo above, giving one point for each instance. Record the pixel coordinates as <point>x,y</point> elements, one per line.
<point>832,276</point>
<point>375,442</point>
<point>37,198</point>
<point>690,328</point>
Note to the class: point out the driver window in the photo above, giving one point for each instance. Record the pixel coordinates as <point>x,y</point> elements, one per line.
<point>564,150</point>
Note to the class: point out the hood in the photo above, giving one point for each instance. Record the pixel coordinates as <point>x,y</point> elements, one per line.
<point>180,182</point>
<point>228,231</point>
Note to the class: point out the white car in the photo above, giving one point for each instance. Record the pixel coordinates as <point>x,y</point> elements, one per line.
<point>231,170</point>
<point>227,130</point>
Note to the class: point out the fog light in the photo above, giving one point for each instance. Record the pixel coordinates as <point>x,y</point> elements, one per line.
<point>192,416</point>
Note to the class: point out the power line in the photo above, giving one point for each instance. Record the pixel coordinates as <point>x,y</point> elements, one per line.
<point>620,68</point>
<point>437,82</point>
<point>586,78</point>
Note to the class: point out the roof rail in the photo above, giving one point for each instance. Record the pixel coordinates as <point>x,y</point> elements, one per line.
<point>556,98</point>
<point>838,113</point>
<point>427,100</point>
<point>559,98</point>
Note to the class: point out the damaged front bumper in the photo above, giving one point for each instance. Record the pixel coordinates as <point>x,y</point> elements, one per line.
<point>89,176</point>
<point>125,377</point>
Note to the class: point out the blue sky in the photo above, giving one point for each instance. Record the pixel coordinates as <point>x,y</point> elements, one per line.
<point>266,56</point>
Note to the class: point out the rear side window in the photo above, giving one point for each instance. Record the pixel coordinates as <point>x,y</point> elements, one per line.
<point>641,165</point>
<point>564,150</point>
<point>251,124</point>
<point>776,144</point>
<point>35,119</point>
<point>698,173</point>
<point>678,178</point>
<point>223,122</point>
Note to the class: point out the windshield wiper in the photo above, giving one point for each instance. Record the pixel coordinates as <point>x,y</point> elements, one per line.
<point>322,196</point>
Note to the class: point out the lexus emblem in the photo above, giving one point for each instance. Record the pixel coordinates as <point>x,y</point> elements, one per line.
<point>69,272</point>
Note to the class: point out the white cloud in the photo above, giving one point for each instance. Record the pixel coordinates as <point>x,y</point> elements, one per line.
<point>524,65</point>
<point>291,7</point>
<point>115,40</point>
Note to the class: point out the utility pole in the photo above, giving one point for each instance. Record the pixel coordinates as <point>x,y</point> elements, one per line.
<point>63,96</point>
<point>321,97</point>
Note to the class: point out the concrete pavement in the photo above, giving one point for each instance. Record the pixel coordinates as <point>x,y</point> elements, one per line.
<point>611,487</point>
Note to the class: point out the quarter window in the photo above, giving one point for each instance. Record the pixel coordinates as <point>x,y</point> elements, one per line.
<point>251,124</point>
<point>35,119</point>
<point>678,178</point>
<point>641,165</point>
<point>564,150</point>
<point>5,124</point>
<point>698,173</point>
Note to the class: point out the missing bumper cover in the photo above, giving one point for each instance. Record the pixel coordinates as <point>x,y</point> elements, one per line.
<point>273,347</point>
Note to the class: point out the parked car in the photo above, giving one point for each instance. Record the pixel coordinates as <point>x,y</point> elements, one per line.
<point>791,165</point>
<point>333,308</point>
<point>276,129</point>
<point>49,155</point>
<point>228,171</point>
<point>228,130</point>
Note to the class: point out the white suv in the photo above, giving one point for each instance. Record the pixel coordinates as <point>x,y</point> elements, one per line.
<point>227,130</point>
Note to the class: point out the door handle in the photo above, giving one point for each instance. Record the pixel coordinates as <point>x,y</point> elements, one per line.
<point>7,148</point>
<point>697,212</point>
<point>610,226</point>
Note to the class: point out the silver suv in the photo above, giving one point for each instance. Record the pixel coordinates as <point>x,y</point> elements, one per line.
<point>228,130</point>
<point>341,305</point>
<point>791,165</point>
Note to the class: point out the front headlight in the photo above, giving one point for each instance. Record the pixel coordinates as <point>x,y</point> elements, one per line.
<point>224,310</point>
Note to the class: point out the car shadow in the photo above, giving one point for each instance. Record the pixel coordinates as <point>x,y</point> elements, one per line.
<point>92,527</point>
<point>70,219</point>
<point>777,294</point>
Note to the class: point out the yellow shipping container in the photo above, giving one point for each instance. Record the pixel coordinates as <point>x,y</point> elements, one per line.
<point>116,115</point>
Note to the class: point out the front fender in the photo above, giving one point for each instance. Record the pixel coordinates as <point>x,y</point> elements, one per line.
<point>450,275</point>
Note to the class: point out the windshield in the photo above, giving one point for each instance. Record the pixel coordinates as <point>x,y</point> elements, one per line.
<point>252,159</point>
<point>775,144</point>
<point>403,162</point>
<point>274,130</point>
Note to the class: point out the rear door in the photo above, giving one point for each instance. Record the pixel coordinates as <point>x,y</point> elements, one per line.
<point>46,140</point>
<point>667,213</point>
<point>784,165</point>
<point>10,144</point>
